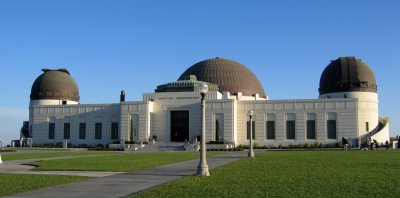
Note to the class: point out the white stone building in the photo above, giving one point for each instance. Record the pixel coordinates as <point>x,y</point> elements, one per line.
<point>347,107</point>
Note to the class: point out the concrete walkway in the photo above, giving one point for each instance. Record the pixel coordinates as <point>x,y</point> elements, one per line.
<point>18,167</point>
<point>121,185</point>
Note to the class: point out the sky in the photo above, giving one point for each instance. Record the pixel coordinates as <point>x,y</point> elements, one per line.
<point>115,45</point>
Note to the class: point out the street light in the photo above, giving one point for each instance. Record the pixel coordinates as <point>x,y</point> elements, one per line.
<point>251,153</point>
<point>202,168</point>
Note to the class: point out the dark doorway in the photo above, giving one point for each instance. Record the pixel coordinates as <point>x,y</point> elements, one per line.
<point>179,126</point>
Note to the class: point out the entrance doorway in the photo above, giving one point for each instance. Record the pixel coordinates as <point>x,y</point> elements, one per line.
<point>179,126</point>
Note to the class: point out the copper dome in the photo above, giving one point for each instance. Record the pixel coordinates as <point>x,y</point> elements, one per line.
<point>347,74</point>
<point>55,84</point>
<point>229,75</point>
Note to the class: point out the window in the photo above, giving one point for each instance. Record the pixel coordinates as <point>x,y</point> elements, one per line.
<point>253,130</point>
<point>82,130</point>
<point>64,102</point>
<point>97,132</point>
<point>67,129</point>
<point>114,130</point>
<point>270,130</point>
<point>290,129</point>
<point>310,129</point>
<point>219,127</point>
<point>52,127</point>
<point>367,126</point>
<point>291,126</point>
<point>331,126</point>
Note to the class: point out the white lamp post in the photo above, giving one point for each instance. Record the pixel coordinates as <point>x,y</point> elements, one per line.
<point>202,168</point>
<point>251,153</point>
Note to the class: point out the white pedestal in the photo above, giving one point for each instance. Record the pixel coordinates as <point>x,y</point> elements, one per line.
<point>395,143</point>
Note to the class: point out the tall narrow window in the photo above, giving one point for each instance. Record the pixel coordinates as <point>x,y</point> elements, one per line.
<point>271,130</point>
<point>290,129</point>
<point>331,126</point>
<point>67,130</point>
<point>52,127</point>
<point>331,129</point>
<point>310,129</point>
<point>367,126</point>
<point>114,130</point>
<point>82,130</point>
<point>291,126</point>
<point>253,130</point>
<point>97,132</point>
<point>219,126</point>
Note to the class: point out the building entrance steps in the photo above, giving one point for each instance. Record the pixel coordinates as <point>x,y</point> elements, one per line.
<point>121,185</point>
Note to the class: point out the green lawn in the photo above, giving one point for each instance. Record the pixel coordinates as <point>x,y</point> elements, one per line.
<point>119,162</point>
<point>15,183</point>
<point>21,156</point>
<point>295,174</point>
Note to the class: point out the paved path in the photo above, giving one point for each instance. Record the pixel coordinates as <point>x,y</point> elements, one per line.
<point>121,185</point>
<point>18,167</point>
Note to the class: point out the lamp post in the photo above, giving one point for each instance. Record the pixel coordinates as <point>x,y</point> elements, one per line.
<point>251,153</point>
<point>202,168</point>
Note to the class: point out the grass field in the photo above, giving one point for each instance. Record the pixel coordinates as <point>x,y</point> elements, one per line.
<point>295,174</point>
<point>21,156</point>
<point>15,183</point>
<point>119,162</point>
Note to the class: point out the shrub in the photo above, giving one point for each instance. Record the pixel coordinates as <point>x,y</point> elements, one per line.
<point>215,142</point>
<point>7,150</point>
<point>256,145</point>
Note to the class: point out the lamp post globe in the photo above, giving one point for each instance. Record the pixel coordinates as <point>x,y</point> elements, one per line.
<point>203,88</point>
<point>251,152</point>
<point>202,168</point>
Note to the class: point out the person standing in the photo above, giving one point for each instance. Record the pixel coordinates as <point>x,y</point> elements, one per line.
<point>398,141</point>
<point>369,143</point>
<point>345,144</point>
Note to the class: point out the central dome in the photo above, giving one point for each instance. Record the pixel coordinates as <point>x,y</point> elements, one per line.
<point>229,75</point>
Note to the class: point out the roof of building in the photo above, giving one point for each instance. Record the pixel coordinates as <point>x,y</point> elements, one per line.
<point>347,74</point>
<point>185,85</point>
<point>229,75</point>
<point>55,84</point>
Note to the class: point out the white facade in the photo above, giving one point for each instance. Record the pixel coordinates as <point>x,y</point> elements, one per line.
<point>141,120</point>
<point>347,107</point>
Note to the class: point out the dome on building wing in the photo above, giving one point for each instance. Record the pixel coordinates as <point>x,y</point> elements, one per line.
<point>347,74</point>
<point>56,85</point>
<point>229,75</point>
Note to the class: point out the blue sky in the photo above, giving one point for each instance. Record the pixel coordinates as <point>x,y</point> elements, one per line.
<point>136,45</point>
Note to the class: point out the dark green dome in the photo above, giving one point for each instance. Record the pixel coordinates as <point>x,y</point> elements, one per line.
<point>347,74</point>
<point>55,84</point>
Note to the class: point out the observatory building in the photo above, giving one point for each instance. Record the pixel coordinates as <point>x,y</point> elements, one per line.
<point>347,106</point>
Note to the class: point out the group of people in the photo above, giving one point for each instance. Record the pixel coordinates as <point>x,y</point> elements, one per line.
<point>371,144</point>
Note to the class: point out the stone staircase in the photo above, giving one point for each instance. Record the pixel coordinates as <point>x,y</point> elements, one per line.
<point>158,147</point>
